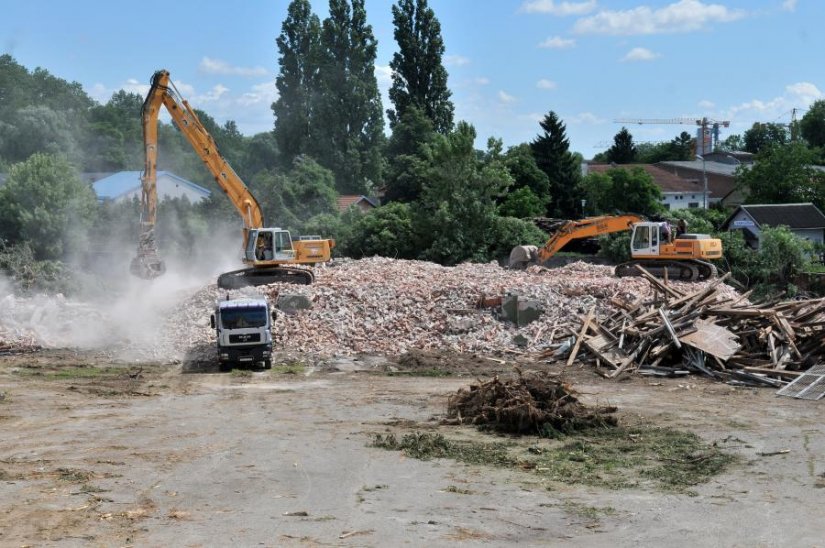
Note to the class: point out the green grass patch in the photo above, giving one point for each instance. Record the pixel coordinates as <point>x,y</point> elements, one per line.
<point>73,475</point>
<point>74,372</point>
<point>584,511</point>
<point>88,488</point>
<point>426,446</point>
<point>291,368</point>
<point>458,490</point>
<point>614,458</point>
<point>241,373</point>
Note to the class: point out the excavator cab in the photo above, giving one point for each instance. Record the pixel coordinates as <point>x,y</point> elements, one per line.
<point>269,244</point>
<point>646,239</point>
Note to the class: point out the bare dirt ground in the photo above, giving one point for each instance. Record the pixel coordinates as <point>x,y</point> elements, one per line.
<point>96,453</point>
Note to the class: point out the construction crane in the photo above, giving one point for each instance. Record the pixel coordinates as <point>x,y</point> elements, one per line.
<point>710,128</point>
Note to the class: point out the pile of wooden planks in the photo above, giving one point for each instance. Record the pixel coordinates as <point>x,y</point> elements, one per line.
<point>723,337</point>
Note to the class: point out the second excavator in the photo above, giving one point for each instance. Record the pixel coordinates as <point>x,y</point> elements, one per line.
<point>270,254</point>
<point>652,246</point>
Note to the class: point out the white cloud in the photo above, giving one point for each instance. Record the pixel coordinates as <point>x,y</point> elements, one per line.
<point>561,8</point>
<point>585,118</point>
<point>133,85</point>
<point>546,84</point>
<point>557,42</point>
<point>704,104</point>
<point>798,95</point>
<point>265,93</point>
<point>217,66</point>
<point>806,92</point>
<point>187,90</point>
<point>640,54</point>
<point>383,74</point>
<point>99,92</point>
<point>455,60</point>
<point>505,97</point>
<point>789,5</point>
<point>681,16</point>
<point>215,94</point>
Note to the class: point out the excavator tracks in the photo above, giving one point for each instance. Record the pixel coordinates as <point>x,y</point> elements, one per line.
<point>687,270</point>
<point>264,276</point>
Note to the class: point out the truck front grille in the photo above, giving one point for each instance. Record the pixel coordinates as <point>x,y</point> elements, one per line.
<point>243,338</point>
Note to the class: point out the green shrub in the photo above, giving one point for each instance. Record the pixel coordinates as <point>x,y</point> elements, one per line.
<point>615,247</point>
<point>386,231</point>
<point>18,263</point>
<point>781,256</point>
<point>508,232</point>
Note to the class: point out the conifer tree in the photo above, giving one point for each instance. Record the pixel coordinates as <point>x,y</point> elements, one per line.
<point>623,150</point>
<point>552,153</point>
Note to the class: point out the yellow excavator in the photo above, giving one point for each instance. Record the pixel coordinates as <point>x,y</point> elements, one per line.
<point>269,253</point>
<point>652,246</point>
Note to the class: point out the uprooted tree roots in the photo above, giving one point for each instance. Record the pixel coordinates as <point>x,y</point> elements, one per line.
<point>531,403</point>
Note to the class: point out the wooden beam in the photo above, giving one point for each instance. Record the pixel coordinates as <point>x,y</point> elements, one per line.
<point>581,335</point>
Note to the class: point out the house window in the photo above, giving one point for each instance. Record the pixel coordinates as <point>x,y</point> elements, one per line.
<point>667,207</point>
<point>693,204</point>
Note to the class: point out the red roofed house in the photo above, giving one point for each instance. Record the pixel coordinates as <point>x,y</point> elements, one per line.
<point>363,203</point>
<point>677,192</point>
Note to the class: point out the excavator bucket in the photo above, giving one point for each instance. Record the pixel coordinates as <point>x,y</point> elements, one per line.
<point>147,264</point>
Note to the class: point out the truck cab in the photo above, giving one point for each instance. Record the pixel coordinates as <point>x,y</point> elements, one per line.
<point>244,332</point>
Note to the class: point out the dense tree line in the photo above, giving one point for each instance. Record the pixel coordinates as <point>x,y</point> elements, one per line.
<point>444,200</point>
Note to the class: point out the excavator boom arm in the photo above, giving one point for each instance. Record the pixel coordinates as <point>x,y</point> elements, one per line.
<point>585,228</point>
<point>163,93</point>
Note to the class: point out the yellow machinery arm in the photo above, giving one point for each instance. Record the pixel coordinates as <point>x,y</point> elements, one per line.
<point>163,92</point>
<point>148,264</point>
<point>278,254</point>
<point>585,228</point>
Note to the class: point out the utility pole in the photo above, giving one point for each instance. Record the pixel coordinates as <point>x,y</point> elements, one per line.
<point>705,181</point>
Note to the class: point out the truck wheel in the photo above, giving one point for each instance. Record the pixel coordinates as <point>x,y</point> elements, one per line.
<point>225,367</point>
<point>267,364</point>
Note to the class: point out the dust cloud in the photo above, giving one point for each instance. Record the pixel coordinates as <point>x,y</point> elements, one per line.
<point>131,318</point>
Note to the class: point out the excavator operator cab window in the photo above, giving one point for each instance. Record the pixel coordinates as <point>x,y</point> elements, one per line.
<point>282,242</point>
<point>641,237</point>
<point>263,247</point>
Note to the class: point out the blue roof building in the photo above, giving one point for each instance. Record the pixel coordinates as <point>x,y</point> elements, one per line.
<point>125,185</point>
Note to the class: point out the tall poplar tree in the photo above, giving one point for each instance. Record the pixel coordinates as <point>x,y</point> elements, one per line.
<point>418,76</point>
<point>349,123</point>
<point>299,48</point>
<point>552,153</point>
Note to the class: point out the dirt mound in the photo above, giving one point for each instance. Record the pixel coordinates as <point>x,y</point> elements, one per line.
<point>531,403</point>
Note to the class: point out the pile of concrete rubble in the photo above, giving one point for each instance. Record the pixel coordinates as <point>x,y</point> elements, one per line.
<point>388,306</point>
<point>28,323</point>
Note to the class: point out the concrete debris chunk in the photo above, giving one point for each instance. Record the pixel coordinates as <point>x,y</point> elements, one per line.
<point>292,302</point>
<point>519,310</point>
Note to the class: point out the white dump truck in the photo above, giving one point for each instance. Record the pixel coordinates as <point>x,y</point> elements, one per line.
<point>244,335</point>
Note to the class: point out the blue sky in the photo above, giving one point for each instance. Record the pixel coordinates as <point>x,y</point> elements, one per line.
<point>509,61</point>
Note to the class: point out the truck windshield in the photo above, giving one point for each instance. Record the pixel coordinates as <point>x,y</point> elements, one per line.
<point>237,318</point>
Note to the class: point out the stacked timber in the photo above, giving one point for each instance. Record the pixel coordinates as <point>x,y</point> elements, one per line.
<point>723,337</point>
